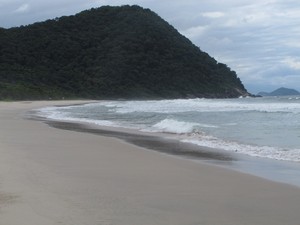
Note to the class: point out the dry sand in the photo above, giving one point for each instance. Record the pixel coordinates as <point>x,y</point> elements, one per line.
<point>53,176</point>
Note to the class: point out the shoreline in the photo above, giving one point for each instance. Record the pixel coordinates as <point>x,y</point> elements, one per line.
<point>266,168</point>
<point>270,169</point>
<point>55,176</point>
<point>152,142</point>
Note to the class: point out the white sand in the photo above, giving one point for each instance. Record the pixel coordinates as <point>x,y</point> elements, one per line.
<point>53,176</point>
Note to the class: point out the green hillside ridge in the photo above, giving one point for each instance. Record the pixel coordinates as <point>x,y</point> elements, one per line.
<point>106,53</point>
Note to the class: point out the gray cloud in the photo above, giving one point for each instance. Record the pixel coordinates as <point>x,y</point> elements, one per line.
<point>258,39</point>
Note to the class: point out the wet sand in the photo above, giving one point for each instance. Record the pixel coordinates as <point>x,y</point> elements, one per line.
<point>62,176</point>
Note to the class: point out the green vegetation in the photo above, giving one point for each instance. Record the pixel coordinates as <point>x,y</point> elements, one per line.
<point>109,52</point>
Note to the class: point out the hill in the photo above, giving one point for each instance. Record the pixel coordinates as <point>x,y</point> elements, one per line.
<point>280,92</point>
<point>109,52</point>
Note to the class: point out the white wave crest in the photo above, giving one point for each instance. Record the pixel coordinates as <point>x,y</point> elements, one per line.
<point>178,127</point>
<point>202,105</point>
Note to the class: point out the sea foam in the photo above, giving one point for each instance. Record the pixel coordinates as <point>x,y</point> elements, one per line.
<point>56,113</point>
<point>251,150</point>
<point>202,105</point>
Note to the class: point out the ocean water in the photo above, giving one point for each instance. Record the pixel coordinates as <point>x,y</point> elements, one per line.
<point>267,127</point>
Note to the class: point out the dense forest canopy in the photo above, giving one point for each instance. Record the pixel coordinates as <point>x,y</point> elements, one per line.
<point>108,52</point>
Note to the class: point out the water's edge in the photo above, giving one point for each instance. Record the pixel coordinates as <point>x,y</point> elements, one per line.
<point>274,170</point>
<point>157,143</point>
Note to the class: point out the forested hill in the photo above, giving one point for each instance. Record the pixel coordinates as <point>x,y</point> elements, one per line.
<point>105,53</point>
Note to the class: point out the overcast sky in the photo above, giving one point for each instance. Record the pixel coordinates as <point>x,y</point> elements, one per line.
<point>259,39</point>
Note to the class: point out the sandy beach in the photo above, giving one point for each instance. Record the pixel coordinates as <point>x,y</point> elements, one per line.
<point>52,176</point>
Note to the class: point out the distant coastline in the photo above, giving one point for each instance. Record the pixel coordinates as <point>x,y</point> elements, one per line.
<point>280,92</point>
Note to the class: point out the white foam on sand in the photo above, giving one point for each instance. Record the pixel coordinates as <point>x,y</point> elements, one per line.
<point>252,150</point>
<point>54,114</point>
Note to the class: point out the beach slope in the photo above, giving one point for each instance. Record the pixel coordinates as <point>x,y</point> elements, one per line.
<point>52,176</point>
